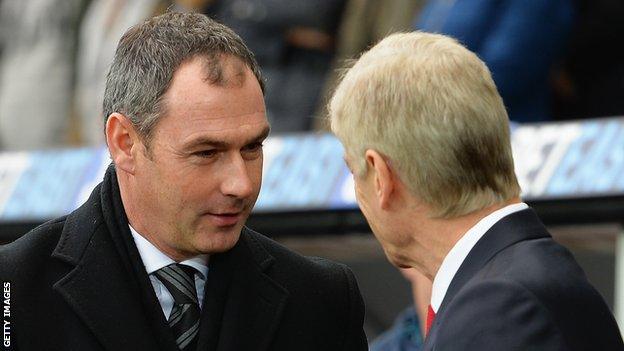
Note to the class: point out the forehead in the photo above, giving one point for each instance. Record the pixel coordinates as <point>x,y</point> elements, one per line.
<point>195,107</point>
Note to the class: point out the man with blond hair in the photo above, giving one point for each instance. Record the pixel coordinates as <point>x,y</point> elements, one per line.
<point>426,137</point>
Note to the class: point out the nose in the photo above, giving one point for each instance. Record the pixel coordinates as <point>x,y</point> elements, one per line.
<point>237,181</point>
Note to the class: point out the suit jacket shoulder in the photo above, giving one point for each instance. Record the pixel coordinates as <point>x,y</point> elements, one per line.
<point>31,252</point>
<point>521,289</point>
<point>291,267</point>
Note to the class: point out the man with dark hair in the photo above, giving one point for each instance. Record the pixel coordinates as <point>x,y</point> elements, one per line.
<point>158,258</point>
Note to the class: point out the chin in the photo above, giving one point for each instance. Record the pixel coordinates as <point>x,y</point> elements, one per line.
<point>219,241</point>
<point>396,260</point>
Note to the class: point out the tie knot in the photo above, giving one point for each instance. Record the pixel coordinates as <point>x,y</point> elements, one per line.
<point>179,279</point>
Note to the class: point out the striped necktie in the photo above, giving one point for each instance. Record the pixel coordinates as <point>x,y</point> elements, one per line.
<point>184,318</point>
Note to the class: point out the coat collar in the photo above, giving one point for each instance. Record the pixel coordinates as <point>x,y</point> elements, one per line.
<point>241,299</point>
<point>104,304</point>
<point>104,287</point>
<point>514,228</point>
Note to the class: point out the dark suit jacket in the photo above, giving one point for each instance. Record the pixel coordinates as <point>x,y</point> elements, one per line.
<point>519,290</point>
<point>78,283</point>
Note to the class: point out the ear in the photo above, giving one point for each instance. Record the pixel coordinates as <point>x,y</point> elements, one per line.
<point>383,177</point>
<point>121,139</point>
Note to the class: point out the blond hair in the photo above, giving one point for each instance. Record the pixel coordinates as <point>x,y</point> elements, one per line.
<point>431,107</point>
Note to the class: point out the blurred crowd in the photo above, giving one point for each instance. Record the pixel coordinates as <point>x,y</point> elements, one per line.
<point>551,59</point>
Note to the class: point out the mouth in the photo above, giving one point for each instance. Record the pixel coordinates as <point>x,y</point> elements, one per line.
<point>226,219</point>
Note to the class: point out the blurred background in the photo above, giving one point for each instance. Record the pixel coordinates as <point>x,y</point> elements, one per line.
<point>553,61</point>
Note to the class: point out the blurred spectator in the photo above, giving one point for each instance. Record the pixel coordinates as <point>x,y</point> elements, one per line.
<point>190,5</point>
<point>37,40</point>
<point>519,40</point>
<point>104,23</point>
<point>368,21</point>
<point>364,23</point>
<point>294,43</point>
<point>404,335</point>
<point>591,83</point>
<point>407,333</point>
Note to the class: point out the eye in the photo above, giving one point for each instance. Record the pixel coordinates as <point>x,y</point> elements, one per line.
<point>253,147</point>
<point>252,151</point>
<point>205,153</point>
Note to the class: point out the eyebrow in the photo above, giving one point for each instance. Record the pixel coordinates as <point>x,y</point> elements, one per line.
<point>207,141</point>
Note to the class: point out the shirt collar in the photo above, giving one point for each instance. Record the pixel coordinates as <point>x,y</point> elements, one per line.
<point>460,250</point>
<point>154,259</point>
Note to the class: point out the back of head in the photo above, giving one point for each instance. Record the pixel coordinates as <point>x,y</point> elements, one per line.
<point>148,55</point>
<point>431,108</point>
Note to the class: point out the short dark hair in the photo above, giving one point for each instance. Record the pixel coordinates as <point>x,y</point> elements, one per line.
<point>149,53</point>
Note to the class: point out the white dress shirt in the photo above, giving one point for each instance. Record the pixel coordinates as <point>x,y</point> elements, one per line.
<point>154,259</point>
<point>460,250</point>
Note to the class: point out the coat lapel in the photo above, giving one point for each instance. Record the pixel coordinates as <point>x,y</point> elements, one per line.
<point>98,288</point>
<point>243,306</point>
<point>516,227</point>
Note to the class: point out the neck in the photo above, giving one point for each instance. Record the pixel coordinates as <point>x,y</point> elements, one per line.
<point>136,218</point>
<point>437,236</point>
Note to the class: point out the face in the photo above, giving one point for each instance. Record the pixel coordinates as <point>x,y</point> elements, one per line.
<point>200,177</point>
<point>364,194</point>
<point>384,222</point>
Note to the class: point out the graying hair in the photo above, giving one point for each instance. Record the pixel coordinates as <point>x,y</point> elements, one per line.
<point>149,53</point>
<point>430,106</point>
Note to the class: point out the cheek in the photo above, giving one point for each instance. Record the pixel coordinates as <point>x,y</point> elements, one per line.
<point>362,200</point>
<point>254,172</point>
<point>375,221</point>
<point>197,193</point>
<point>152,182</point>
<point>366,209</point>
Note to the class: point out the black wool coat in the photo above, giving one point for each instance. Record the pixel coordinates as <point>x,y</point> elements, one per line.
<point>78,283</point>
